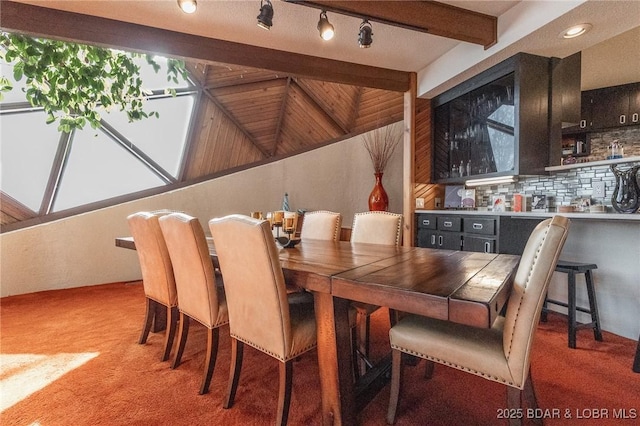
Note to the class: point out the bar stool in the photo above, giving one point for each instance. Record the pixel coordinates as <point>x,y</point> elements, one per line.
<point>571,269</point>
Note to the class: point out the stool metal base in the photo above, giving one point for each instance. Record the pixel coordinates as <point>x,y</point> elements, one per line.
<point>571,269</point>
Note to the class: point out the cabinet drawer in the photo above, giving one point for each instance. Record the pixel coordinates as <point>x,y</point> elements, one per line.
<point>450,223</point>
<point>480,226</point>
<point>426,221</point>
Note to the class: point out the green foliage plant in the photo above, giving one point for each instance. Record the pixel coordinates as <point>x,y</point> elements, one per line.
<point>69,81</point>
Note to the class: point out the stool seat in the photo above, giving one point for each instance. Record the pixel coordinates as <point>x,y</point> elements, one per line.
<point>571,269</point>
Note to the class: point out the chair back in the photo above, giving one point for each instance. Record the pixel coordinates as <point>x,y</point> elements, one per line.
<point>321,225</point>
<point>254,284</point>
<point>377,227</point>
<point>157,272</point>
<point>530,284</point>
<point>192,267</point>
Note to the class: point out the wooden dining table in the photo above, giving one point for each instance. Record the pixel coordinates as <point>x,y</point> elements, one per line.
<point>465,287</point>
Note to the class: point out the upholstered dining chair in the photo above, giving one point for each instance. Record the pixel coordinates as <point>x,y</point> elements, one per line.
<point>157,276</point>
<point>375,227</point>
<point>199,296</point>
<point>321,225</point>
<point>260,311</point>
<point>501,353</point>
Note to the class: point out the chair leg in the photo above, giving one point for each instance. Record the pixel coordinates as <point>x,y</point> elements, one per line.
<point>428,369</point>
<point>529,395</point>
<point>396,381</point>
<point>284,392</point>
<point>514,402</point>
<point>148,320</point>
<point>172,320</point>
<point>636,361</point>
<point>355,355</point>
<point>234,371</point>
<point>183,331</point>
<point>210,359</point>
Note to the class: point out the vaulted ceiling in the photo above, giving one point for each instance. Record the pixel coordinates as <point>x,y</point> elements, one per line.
<point>264,96</point>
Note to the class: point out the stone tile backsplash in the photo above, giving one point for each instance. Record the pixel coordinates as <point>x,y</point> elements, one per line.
<point>563,187</point>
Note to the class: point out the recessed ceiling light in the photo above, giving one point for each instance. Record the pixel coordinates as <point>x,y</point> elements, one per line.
<point>575,31</point>
<point>188,6</point>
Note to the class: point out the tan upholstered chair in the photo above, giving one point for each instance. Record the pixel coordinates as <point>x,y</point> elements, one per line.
<point>501,353</point>
<point>377,228</point>
<point>321,225</point>
<point>157,276</point>
<point>260,312</point>
<point>199,297</point>
<point>374,228</point>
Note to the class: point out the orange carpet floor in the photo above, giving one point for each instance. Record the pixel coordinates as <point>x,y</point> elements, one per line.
<point>70,357</point>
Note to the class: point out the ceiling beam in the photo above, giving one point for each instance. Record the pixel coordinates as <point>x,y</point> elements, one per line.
<point>51,23</point>
<point>419,15</point>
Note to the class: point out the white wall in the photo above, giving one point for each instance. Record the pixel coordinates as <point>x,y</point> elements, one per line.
<point>80,250</point>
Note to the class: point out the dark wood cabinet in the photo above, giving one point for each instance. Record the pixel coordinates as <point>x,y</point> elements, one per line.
<point>494,124</point>
<point>474,232</point>
<point>609,107</point>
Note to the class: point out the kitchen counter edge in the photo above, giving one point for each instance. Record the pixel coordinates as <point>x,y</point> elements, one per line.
<point>525,215</point>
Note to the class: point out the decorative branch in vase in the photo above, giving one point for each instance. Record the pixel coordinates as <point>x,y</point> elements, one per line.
<point>381,143</point>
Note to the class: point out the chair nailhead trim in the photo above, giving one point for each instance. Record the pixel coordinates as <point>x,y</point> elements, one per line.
<point>278,357</point>
<point>459,367</point>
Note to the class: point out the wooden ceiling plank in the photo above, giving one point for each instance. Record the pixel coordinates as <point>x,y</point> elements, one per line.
<point>283,108</point>
<point>51,23</point>
<point>355,110</point>
<point>234,121</point>
<point>419,15</point>
<point>321,104</point>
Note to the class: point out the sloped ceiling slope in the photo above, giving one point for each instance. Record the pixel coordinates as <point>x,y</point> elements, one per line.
<point>248,116</point>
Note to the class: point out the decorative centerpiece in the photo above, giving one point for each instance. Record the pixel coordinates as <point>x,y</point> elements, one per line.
<point>380,143</point>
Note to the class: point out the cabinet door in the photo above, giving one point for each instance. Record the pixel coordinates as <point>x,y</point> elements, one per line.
<point>610,107</point>
<point>427,238</point>
<point>449,240</point>
<point>480,244</point>
<point>634,105</point>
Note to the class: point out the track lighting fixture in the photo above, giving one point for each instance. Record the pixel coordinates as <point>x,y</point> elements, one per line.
<point>188,6</point>
<point>325,28</point>
<point>266,14</point>
<point>366,33</point>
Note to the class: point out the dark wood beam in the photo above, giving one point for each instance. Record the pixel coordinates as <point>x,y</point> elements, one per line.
<point>75,27</point>
<point>419,15</point>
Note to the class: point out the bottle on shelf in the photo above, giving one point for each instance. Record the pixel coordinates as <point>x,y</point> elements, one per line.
<point>461,168</point>
<point>469,168</point>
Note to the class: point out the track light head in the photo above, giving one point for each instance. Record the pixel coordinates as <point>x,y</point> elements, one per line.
<point>325,27</point>
<point>188,6</point>
<point>265,17</point>
<point>366,33</point>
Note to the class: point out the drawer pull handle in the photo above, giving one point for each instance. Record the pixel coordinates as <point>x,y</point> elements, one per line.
<point>634,117</point>
<point>623,119</point>
<point>426,222</point>
<point>583,124</point>
<point>447,224</point>
<point>440,240</point>
<point>477,226</point>
<point>487,247</point>
<point>433,240</point>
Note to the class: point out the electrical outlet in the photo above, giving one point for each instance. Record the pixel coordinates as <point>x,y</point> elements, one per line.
<point>419,203</point>
<point>598,189</point>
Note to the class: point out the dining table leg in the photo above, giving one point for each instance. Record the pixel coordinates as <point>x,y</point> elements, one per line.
<point>334,360</point>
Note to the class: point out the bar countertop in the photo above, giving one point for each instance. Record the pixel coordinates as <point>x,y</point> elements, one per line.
<point>526,215</point>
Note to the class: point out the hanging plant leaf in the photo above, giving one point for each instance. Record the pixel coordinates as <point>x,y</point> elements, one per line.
<point>70,80</point>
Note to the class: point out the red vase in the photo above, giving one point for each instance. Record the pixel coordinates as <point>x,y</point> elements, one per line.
<point>378,199</point>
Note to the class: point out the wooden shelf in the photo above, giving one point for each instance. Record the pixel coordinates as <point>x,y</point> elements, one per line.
<point>635,159</point>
